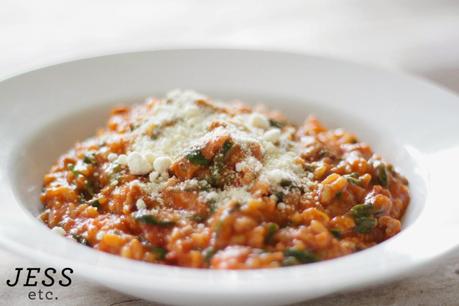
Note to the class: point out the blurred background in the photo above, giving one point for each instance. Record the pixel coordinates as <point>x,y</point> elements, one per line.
<point>418,36</point>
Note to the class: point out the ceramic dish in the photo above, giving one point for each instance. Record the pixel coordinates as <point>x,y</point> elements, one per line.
<point>412,123</point>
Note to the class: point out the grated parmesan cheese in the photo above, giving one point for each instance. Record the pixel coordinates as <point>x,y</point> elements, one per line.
<point>181,125</point>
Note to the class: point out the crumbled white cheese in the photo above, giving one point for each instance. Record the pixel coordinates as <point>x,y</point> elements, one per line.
<point>122,159</point>
<point>162,163</point>
<point>112,156</point>
<point>137,164</point>
<point>269,148</point>
<point>59,230</point>
<point>272,135</point>
<point>153,176</point>
<point>100,235</point>
<point>259,121</point>
<point>150,157</point>
<point>140,204</point>
<point>281,206</point>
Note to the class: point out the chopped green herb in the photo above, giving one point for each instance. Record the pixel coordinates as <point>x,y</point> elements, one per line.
<point>214,179</point>
<point>362,210</point>
<point>80,239</point>
<point>272,230</point>
<point>276,123</point>
<point>208,254</point>
<point>116,168</point>
<point>336,233</point>
<point>324,153</point>
<point>71,167</point>
<point>197,158</point>
<point>115,173</point>
<point>89,187</point>
<point>212,205</point>
<point>236,206</point>
<point>365,225</point>
<point>155,134</point>
<point>381,175</point>
<point>89,159</point>
<point>95,203</point>
<point>204,186</point>
<point>159,252</point>
<point>198,218</point>
<point>152,220</point>
<point>285,182</point>
<point>294,255</point>
<point>217,178</point>
<point>290,261</point>
<point>353,178</point>
<point>226,147</point>
<point>363,215</point>
<point>280,196</point>
<point>218,227</point>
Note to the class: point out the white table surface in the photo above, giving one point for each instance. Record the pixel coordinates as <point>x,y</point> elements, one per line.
<point>417,36</point>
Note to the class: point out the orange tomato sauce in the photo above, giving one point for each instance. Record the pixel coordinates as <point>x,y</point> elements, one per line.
<point>223,202</point>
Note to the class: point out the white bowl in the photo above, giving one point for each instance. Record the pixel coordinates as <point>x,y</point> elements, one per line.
<point>412,123</point>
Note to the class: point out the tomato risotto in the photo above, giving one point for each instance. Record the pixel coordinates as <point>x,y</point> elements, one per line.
<point>192,182</point>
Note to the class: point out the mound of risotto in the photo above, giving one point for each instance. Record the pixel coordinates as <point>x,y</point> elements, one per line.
<point>188,181</point>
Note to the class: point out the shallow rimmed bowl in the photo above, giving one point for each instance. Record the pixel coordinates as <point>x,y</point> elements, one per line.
<point>410,122</point>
